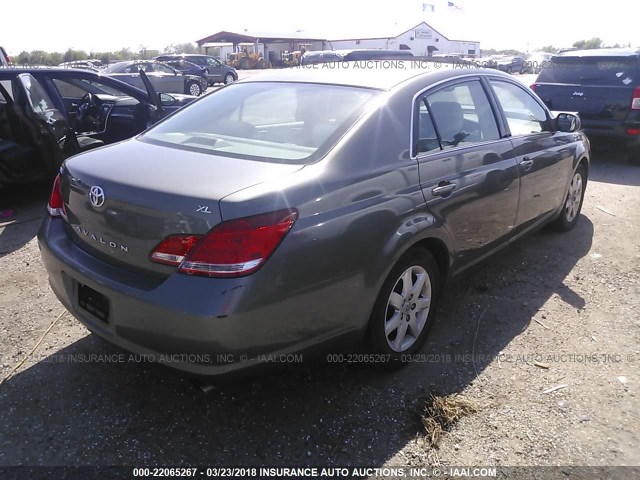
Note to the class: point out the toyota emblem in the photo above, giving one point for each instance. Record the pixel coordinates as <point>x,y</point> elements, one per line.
<point>96,196</point>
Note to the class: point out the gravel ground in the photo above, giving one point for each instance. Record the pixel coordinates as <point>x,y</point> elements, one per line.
<point>570,301</point>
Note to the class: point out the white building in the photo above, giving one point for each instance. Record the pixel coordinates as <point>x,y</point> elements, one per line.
<point>422,40</point>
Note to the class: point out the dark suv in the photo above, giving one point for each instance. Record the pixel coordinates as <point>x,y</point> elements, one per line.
<point>603,86</point>
<point>216,71</point>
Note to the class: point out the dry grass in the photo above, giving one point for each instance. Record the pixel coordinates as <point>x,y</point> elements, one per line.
<point>441,413</point>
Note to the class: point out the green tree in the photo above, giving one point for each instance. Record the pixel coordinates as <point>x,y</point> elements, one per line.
<point>181,48</point>
<point>72,55</point>
<point>594,42</point>
<point>549,49</point>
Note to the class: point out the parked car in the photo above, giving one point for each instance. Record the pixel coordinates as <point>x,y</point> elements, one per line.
<point>188,68</point>
<point>98,109</point>
<point>315,210</point>
<point>537,61</point>
<point>34,136</point>
<point>511,65</point>
<point>321,56</point>
<point>164,78</point>
<point>5,60</point>
<point>329,56</point>
<point>485,62</point>
<point>604,87</point>
<point>217,72</point>
<point>88,64</point>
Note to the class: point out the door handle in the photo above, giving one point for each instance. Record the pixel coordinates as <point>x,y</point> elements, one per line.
<point>443,189</point>
<point>526,164</point>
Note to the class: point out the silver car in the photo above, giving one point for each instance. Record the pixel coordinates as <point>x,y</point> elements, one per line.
<point>306,210</point>
<point>164,78</point>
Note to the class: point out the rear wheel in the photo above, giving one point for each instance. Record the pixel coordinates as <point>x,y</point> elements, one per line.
<point>403,313</point>
<point>194,88</point>
<point>573,201</point>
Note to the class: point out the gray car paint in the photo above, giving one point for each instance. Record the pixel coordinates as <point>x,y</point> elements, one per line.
<point>361,207</point>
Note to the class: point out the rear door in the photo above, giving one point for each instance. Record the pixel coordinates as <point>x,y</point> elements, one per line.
<point>598,88</point>
<point>467,171</point>
<point>544,161</point>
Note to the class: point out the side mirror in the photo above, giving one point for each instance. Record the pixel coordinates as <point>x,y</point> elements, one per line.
<point>167,100</point>
<point>568,122</point>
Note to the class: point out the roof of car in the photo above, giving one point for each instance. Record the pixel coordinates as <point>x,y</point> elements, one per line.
<point>603,52</point>
<point>379,74</point>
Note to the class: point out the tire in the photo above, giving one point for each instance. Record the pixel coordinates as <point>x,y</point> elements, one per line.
<point>508,70</point>
<point>229,78</point>
<point>573,201</point>
<point>394,306</point>
<point>193,88</point>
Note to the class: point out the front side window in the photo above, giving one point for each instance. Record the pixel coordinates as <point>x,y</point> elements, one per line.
<point>524,115</point>
<point>279,122</point>
<point>462,114</point>
<point>161,68</point>
<point>212,62</point>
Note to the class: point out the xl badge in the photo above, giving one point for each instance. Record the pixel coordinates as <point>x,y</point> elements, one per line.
<point>96,196</point>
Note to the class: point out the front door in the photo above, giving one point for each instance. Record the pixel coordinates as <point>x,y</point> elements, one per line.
<point>544,160</point>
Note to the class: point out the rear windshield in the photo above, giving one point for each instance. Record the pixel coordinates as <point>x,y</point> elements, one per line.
<point>591,71</point>
<point>277,122</point>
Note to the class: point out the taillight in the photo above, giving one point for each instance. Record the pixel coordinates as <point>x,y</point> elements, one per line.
<point>231,249</point>
<point>635,99</point>
<point>56,204</point>
<point>633,131</point>
<point>173,249</point>
<point>533,86</point>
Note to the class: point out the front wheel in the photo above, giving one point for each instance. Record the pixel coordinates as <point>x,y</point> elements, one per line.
<point>573,201</point>
<point>194,88</point>
<point>229,78</point>
<point>405,307</point>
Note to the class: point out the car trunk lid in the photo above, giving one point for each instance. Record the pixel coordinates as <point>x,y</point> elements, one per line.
<point>122,201</point>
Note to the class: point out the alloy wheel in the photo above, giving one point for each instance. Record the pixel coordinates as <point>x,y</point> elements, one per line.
<point>574,198</point>
<point>408,308</point>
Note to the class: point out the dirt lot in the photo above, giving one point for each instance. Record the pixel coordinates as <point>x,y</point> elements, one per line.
<point>571,301</point>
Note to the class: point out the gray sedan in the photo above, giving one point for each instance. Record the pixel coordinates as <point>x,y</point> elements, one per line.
<point>164,78</point>
<point>316,209</point>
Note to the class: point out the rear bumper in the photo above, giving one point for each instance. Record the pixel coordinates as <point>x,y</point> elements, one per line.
<point>202,326</point>
<point>611,131</point>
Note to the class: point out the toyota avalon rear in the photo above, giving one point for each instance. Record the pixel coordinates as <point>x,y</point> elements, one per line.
<point>152,244</point>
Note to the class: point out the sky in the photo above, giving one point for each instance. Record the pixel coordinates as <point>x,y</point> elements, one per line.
<point>501,24</point>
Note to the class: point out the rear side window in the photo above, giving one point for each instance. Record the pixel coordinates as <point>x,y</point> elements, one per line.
<point>524,114</point>
<point>460,114</point>
<point>613,71</point>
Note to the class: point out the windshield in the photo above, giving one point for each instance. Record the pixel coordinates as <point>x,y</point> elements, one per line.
<point>591,71</point>
<point>278,122</point>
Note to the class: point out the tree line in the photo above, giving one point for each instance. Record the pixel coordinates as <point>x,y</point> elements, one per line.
<point>40,57</point>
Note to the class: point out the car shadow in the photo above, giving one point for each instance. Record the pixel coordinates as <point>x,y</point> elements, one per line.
<point>21,210</point>
<point>71,408</point>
